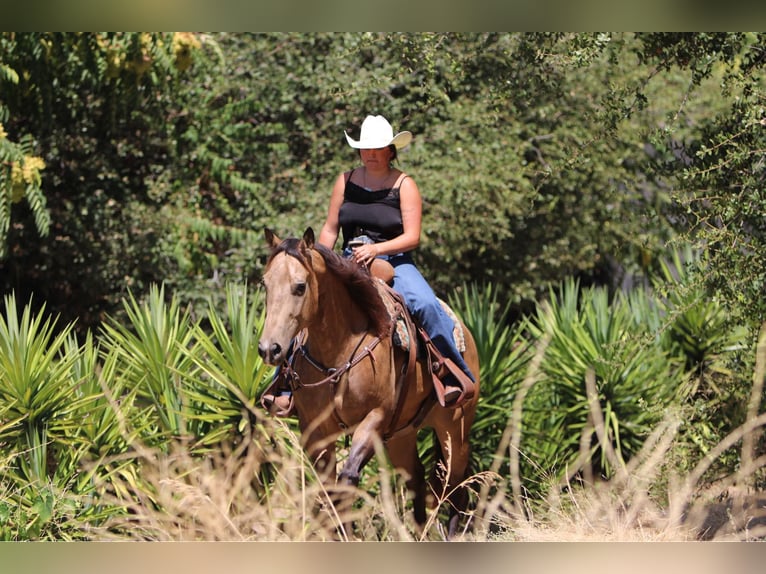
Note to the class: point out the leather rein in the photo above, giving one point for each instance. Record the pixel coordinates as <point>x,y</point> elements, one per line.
<point>332,374</point>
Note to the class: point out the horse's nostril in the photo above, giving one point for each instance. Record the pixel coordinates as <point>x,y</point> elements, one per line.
<point>269,352</point>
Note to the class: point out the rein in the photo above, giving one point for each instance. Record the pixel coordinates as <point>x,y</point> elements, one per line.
<point>332,374</point>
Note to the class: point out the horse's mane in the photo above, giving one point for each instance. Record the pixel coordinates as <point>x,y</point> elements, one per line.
<point>357,279</point>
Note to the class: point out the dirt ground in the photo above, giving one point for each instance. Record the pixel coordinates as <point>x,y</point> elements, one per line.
<point>733,516</point>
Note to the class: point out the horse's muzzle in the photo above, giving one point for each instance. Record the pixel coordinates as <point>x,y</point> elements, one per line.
<point>271,353</point>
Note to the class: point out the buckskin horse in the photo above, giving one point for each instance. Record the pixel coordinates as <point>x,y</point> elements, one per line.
<point>350,377</point>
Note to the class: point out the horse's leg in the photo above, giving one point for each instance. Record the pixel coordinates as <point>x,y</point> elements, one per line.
<point>362,449</point>
<point>324,461</point>
<point>362,446</point>
<point>403,453</point>
<point>453,439</point>
<point>318,439</point>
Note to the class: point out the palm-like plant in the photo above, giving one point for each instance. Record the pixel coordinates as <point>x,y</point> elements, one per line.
<point>40,459</point>
<point>698,324</point>
<point>698,328</point>
<point>102,415</point>
<point>503,357</point>
<point>635,380</point>
<point>35,387</point>
<point>226,354</point>
<point>152,358</point>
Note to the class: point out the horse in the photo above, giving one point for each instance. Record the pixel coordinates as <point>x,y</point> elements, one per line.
<point>328,324</point>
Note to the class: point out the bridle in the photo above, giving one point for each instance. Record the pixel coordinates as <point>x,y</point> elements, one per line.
<point>332,374</point>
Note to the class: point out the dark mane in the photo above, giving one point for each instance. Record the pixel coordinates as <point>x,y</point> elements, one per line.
<point>361,288</point>
<point>360,284</point>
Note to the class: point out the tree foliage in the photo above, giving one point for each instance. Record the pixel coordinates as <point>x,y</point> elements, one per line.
<point>720,199</point>
<point>20,176</point>
<point>94,106</point>
<point>540,156</point>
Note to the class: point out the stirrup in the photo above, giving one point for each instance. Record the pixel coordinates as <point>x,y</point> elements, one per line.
<point>450,395</point>
<point>278,402</point>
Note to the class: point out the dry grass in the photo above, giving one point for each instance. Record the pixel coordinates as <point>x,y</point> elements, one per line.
<point>223,496</point>
<point>264,489</point>
<point>261,489</point>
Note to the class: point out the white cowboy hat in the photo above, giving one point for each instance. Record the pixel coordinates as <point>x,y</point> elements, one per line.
<point>377,133</point>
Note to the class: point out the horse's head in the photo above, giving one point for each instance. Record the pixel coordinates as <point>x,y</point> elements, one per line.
<point>291,293</point>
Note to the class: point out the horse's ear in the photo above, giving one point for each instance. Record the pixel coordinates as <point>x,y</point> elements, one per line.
<point>271,238</point>
<point>308,237</point>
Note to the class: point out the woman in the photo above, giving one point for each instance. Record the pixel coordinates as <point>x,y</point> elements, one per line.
<point>378,208</point>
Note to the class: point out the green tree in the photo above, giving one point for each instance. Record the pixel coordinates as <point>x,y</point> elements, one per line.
<point>539,156</point>
<point>20,176</point>
<point>96,107</point>
<point>718,169</point>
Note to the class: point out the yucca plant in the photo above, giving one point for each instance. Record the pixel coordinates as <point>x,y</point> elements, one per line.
<point>152,358</point>
<point>635,380</point>
<point>698,329</point>
<point>503,356</point>
<point>103,416</point>
<point>40,459</point>
<point>35,388</point>
<point>698,324</point>
<point>231,370</point>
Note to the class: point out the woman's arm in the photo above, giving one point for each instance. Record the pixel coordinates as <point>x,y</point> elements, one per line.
<point>329,233</point>
<point>411,206</point>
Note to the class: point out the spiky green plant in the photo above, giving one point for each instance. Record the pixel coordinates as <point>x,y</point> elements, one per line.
<point>152,358</point>
<point>698,324</point>
<point>503,355</point>
<point>699,329</point>
<point>231,370</point>
<point>635,380</point>
<point>35,388</point>
<point>43,491</point>
<point>103,416</point>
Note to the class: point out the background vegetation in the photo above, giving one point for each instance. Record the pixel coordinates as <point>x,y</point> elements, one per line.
<point>593,208</point>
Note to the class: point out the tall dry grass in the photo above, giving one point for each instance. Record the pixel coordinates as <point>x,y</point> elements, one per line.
<point>264,489</point>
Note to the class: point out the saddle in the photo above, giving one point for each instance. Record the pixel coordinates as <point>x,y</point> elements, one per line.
<point>382,270</point>
<point>444,371</point>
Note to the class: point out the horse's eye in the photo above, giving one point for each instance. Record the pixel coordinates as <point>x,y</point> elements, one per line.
<point>299,289</point>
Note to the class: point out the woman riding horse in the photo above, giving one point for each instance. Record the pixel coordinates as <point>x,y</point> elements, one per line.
<point>378,208</point>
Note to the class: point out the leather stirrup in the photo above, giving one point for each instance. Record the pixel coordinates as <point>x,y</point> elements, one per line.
<point>442,367</point>
<point>446,395</point>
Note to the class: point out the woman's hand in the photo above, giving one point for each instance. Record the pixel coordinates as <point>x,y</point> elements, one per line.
<point>364,254</point>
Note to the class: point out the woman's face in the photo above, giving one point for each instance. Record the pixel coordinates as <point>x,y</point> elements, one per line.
<point>376,158</point>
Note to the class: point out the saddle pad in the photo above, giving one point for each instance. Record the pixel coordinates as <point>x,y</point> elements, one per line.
<point>401,336</point>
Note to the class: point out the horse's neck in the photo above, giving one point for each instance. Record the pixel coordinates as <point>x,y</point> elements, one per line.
<point>339,322</point>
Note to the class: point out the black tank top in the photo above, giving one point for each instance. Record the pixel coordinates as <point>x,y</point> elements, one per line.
<point>376,214</point>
